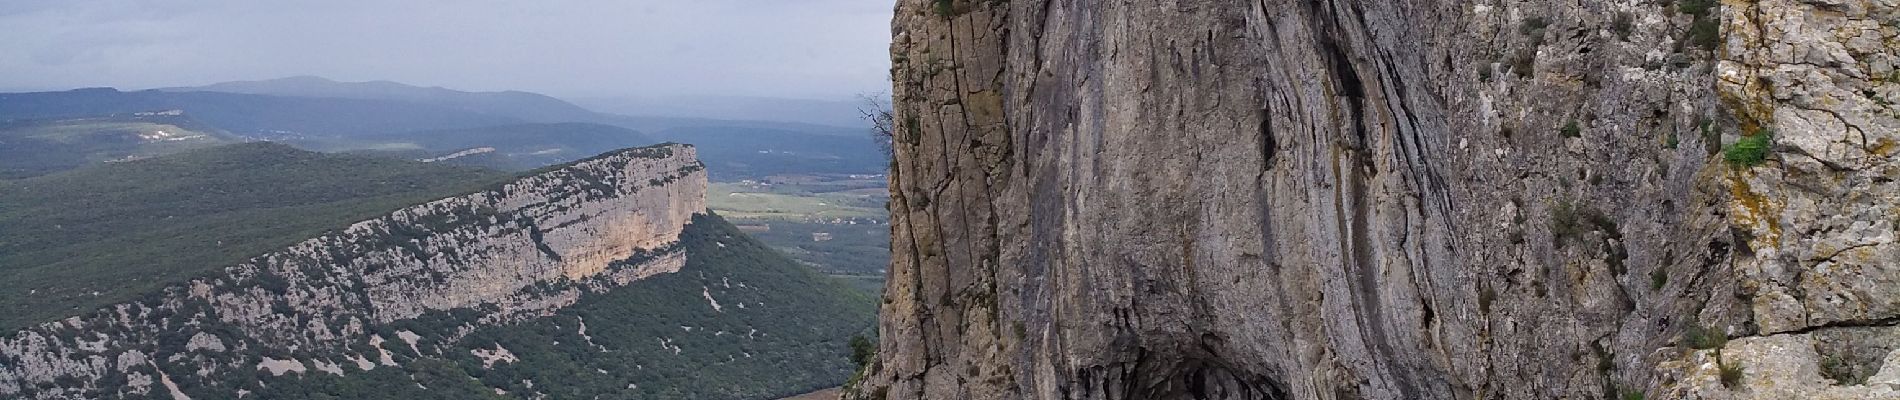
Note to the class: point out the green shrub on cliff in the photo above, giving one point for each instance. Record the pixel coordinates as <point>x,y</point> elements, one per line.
<point>862,351</point>
<point>1705,31</point>
<point>1750,151</point>
<point>1732,375</point>
<point>1704,338</point>
<point>1571,130</point>
<point>945,8</point>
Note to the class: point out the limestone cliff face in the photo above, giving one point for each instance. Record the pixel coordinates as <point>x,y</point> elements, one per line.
<point>1359,199</point>
<point>520,250</point>
<point>1820,217</point>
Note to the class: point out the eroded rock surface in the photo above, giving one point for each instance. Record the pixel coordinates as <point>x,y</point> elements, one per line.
<point>1357,199</point>
<point>1820,215</point>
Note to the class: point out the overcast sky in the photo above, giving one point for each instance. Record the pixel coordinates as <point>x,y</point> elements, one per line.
<point>575,48</point>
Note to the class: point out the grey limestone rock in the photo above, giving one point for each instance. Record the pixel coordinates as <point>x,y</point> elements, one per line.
<point>1371,199</point>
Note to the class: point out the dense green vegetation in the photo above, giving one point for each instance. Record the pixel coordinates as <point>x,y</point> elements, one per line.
<point>516,147</point>
<point>658,338</point>
<point>794,202</point>
<point>418,378</point>
<point>862,249</point>
<point>78,240</point>
<point>863,352</point>
<point>34,148</point>
<point>252,115</point>
<point>835,223</point>
<point>1751,150</point>
<point>753,153</point>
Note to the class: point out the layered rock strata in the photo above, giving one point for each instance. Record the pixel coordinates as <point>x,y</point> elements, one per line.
<point>520,250</point>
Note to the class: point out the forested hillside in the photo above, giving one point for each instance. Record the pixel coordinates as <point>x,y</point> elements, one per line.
<point>739,321</point>
<point>259,270</point>
<point>85,238</point>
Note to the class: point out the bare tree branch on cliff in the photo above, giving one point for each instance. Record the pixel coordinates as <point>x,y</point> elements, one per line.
<point>876,108</point>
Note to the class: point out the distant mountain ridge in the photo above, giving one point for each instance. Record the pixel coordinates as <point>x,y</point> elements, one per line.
<point>252,115</point>
<point>39,147</point>
<point>835,113</point>
<point>513,147</point>
<point>525,106</point>
<point>645,114</point>
<point>406,121</point>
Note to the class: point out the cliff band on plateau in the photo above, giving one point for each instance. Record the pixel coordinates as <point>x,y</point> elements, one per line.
<point>1373,199</point>
<point>520,250</point>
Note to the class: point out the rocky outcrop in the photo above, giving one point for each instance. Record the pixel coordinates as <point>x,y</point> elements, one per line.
<point>1817,78</point>
<point>1346,199</point>
<point>520,250</point>
<point>1819,217</point>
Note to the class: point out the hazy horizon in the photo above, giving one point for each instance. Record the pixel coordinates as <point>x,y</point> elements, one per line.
<point>573,49</point>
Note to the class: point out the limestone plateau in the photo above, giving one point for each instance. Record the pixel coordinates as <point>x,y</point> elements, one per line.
<point>1377,199</point>
<point>522,250</point>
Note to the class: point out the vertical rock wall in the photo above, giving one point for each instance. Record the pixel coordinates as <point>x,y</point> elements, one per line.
<point>1820,214</point>
<point>1346,199</point>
